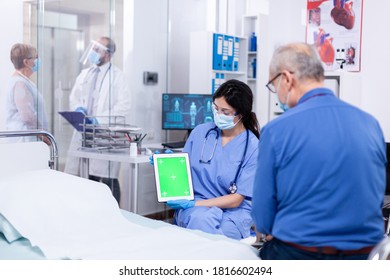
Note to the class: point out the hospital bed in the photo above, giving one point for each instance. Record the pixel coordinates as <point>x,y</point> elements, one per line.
<point>47,214</point>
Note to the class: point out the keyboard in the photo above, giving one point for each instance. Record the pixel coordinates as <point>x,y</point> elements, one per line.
<point>174,145</point>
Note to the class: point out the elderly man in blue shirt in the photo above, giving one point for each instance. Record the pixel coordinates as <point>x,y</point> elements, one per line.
<point>320,179</point>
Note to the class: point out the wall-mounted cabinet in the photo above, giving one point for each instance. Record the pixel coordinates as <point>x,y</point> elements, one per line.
<point>257,63</point>
<point>204,78</point>
<point>250,31</point>
<point>216,58</point>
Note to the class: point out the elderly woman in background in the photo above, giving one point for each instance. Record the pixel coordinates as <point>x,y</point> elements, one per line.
<point>24,107</point>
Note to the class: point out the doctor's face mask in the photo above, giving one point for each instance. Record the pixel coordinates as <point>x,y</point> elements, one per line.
<point>94,57</point>
<point>94,53</point>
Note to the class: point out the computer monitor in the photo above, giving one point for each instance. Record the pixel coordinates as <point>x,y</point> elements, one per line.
<point>185,111</point>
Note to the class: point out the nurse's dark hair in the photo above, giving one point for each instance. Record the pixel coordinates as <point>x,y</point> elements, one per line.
<point>239,95</point>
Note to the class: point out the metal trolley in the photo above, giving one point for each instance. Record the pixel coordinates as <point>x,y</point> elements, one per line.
<point>110,133</point>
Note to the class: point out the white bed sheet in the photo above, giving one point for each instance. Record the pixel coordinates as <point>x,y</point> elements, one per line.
<point>68,217</point>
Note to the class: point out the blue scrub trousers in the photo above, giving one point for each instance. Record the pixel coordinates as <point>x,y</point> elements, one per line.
<point>208,219</point>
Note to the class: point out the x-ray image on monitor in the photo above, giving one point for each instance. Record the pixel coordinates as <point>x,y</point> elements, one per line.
<point>185,111</point>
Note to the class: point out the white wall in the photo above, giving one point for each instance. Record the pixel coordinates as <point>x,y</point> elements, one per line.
<point>286,26</point>
<point>256,7</point>
<point>145,49</point>
<point>375,62</point>
<point>146,39</point>
<point>12,17</point>
<point>285,22</point>
<point>185,17</point>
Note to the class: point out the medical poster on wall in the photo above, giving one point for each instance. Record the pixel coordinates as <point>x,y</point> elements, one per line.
<point>334,27</point>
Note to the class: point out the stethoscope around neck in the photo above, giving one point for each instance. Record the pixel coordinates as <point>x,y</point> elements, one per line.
<point>233,185</point>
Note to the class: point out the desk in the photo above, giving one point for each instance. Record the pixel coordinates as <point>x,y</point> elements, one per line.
<point>116,156</point>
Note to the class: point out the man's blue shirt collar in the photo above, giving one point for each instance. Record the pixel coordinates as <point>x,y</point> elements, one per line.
<point>315,92</point>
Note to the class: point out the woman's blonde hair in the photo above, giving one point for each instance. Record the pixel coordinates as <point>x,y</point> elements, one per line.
<point>19,52</point>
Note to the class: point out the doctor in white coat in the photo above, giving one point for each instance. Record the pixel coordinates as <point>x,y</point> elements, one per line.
<point>99,90</point>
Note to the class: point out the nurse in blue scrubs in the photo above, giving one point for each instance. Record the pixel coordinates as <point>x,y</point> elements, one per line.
<point>223,159</point>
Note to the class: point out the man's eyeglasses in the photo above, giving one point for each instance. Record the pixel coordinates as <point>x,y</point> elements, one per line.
<point>270,84</point>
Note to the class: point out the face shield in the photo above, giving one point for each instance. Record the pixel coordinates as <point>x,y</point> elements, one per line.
<point>93,53</point>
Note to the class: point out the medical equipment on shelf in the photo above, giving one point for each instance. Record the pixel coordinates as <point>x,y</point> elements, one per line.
<point>233,185</point>
<point>109,133</point>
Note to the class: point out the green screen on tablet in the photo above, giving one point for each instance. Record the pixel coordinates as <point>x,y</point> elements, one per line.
<point>173,176</point>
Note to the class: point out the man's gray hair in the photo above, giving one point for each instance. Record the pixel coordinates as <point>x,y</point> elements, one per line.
<point>299,58</point>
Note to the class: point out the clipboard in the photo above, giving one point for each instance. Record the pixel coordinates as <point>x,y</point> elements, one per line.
<point>76,119</point>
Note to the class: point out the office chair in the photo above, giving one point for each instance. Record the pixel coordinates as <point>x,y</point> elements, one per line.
<point>381,251</point>
<point>386,217</point>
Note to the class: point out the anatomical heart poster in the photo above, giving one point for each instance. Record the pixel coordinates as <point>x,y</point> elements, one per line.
<point>334,27</point>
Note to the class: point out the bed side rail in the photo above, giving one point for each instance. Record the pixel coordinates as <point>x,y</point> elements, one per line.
<point>53,162</point>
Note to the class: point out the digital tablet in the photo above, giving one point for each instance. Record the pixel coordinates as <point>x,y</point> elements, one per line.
<point>172,173</point>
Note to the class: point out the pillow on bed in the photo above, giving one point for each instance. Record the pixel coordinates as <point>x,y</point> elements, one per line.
<point>10,233</point>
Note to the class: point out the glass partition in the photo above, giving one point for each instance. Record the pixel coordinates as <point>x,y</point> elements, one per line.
<point>151,37</point>
<point>61,30</point>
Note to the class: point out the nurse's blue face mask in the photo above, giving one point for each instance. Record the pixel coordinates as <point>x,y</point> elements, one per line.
<point>222,120</point>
